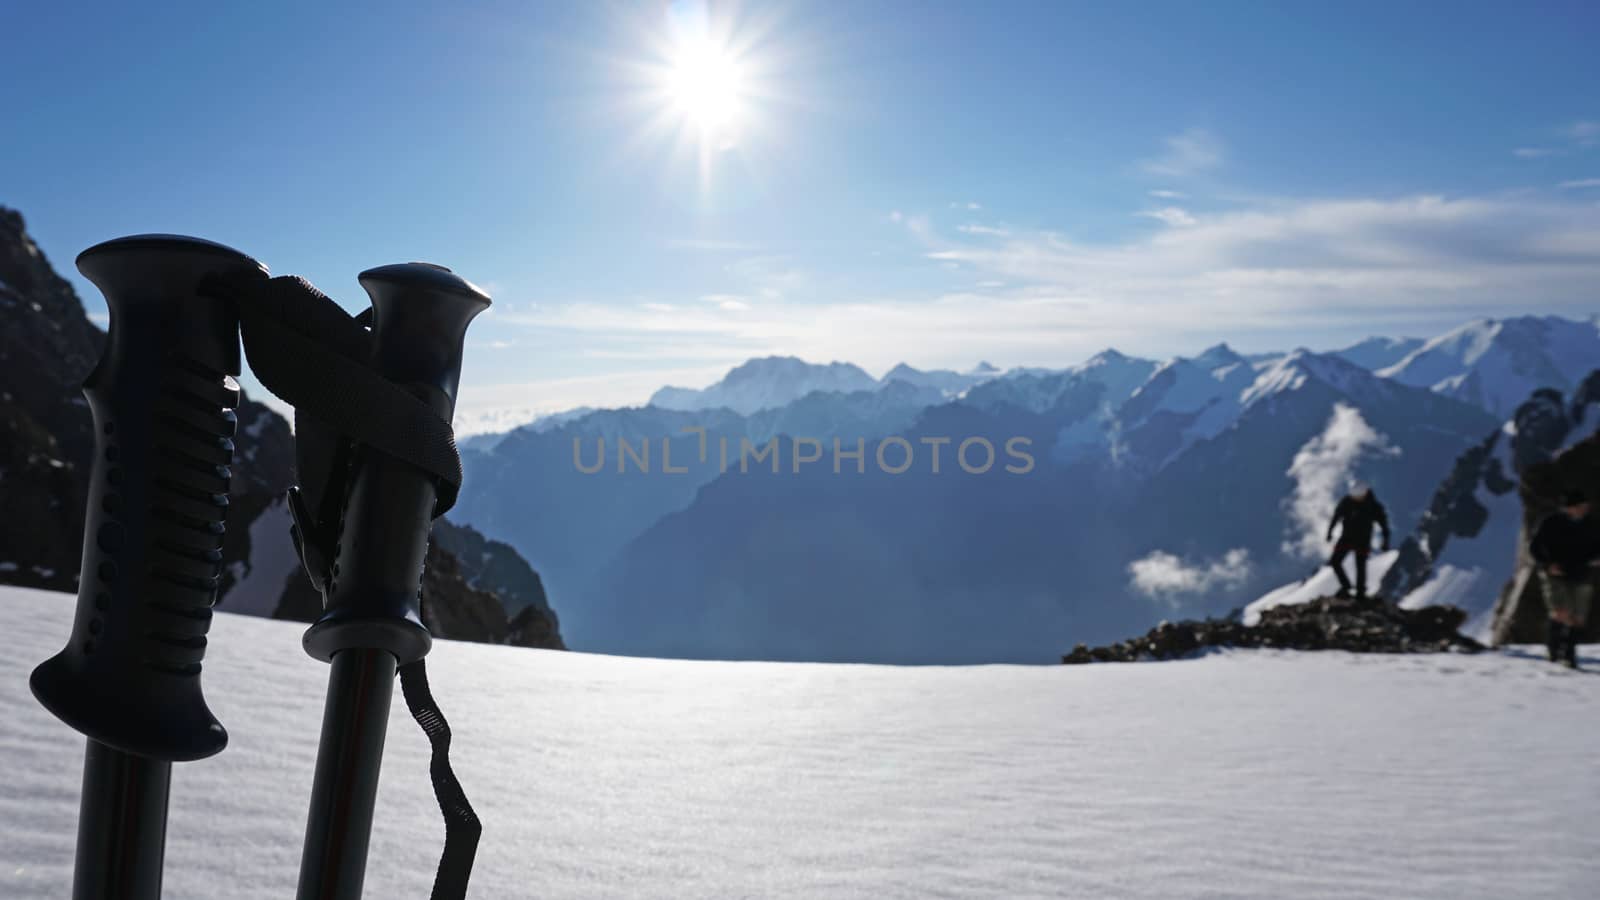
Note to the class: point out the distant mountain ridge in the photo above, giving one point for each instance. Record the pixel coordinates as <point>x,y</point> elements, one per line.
<point>1187,456</point>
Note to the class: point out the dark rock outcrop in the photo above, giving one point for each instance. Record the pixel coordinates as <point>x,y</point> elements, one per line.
<point>1331,623</point>
<point>47,347</point>
<point>494,566</point>
<point>1517,457</point>
<point>461,593</point>
<point>1520,616</point>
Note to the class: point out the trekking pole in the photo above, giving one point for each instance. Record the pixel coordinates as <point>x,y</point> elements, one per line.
<point>371,623</point>
<point>129,676</point>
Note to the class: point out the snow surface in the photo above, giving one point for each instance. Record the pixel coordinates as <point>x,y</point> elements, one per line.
<point>1244,774</point>
<point>258,586</point>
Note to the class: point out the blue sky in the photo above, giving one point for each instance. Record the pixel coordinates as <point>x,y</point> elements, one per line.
<point>934,182</point>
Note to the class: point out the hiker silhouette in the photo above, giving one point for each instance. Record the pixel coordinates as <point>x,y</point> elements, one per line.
<point>1566,546</point>
<point>1358,511</point>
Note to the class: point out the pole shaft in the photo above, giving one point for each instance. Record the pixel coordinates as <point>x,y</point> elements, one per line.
<point>343,791</point>
<point>122,826</point>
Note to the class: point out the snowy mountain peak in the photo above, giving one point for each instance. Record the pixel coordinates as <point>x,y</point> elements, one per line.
<point>767,382</point>
<point>768,368</point>
<point>1217,356</point>
<point>948,382</point>
<point>984,368</point>
<point>1497,363</point>
<point>1294,370</point>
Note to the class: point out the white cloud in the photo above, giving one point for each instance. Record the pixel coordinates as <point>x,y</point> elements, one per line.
<point>1167,195</point>
<point>968,205</point>
<point>772,277</point>
<point>1189,153</point>
<point>1285,267</point>
<point>1581,183</point>
<point>1533,152</point>
<point>729,302</point>
<point>1162,574</point>
<point>1177,217</point>
<point>920,226</point>
<point>1323,471</point>
<point>1585,133</point>
<point>989,230</point>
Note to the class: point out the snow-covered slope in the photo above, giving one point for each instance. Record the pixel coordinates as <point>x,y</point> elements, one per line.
<point>1497,363</point>
<point>1244,775</point>
<point>1379,352</point>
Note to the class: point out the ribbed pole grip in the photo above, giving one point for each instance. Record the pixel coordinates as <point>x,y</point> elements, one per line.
<point>129,676</point>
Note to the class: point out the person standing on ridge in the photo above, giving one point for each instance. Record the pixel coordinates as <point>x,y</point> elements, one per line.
<point>1359,510</point>
<point>1566,545</point>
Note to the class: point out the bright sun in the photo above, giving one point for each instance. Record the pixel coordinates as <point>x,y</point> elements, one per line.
<point>705,85</point>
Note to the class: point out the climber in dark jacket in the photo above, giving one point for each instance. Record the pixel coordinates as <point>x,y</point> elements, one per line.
<point>1359,510</point>
<point>1566,545</point>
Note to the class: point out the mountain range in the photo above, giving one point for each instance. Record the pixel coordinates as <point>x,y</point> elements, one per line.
<point>1183,486</point>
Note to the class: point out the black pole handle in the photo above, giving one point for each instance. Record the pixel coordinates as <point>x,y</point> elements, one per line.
<point>419,324</point>
<point>371,621</point>
<point>129,677</point>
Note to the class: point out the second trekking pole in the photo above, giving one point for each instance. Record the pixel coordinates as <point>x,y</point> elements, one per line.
<point>371,621</point>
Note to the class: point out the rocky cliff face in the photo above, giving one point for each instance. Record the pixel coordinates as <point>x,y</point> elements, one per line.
<point>1470,543</point>
<point>1519,616</point>
<point>48,346</point>
<point>464,593</point>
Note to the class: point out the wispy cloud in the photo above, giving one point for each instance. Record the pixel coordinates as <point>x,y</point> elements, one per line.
<point>1189,153</point>
<point>1175,216</point>
<point>1286,266</point>
<point>1584,133</point>
<point>921,226</point>
<point>1164,194</point>
<point>989,230</point>
<point>769,277</point>
<point>1580,183</point>
<point>1574,137</point>
<point>1322,260</point>
<point>969,205</point>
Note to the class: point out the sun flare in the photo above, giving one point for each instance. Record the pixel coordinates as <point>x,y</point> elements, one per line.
<point>708,86</point>
<point>704,83</point>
